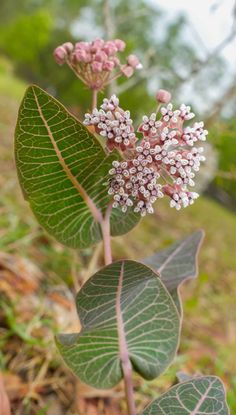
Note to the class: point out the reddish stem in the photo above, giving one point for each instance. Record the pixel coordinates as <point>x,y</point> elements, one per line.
<point>105,226</point>
<point>94,98</point>
<point>124,352</point>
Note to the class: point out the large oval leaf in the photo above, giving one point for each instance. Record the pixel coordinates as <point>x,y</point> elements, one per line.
<point>177,263</point>
<point>62,169</point>
<point>123,300</point>
<point>199,396</point>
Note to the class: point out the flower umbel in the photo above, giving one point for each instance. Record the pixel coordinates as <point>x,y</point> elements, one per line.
<point>163,162</point>
<point>113,123</point>
<point>96,63</point>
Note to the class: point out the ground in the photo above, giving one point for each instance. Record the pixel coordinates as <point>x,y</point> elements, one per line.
<point>38,279</point>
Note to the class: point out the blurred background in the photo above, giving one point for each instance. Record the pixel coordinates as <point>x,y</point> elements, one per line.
<point>188,48</point>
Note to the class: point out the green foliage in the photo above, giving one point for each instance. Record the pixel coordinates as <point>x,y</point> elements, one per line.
<point>223,138</point>
<point>23,39</point>
<point>124,305</point>
<point>10,86</point>
<point>203,395</point>
<point>177,263</point>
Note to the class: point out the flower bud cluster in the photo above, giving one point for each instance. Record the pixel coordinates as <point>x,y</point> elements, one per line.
<point>96,63</point>
<point>134,184</point>
<point>113,123</point>
<point>195,133</point>
<point>179,198</point>
<point>163,162</point>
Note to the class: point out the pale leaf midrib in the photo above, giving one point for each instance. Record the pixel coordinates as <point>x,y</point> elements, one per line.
<point>91,205</point>
<point>123,348</point>
<point>201,400</point>
<point>171,256</point>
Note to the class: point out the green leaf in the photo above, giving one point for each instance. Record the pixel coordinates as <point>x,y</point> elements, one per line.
<point>125,299</point>
<point>199,396</point>
<point>177,263</point>
<point>62,169</point>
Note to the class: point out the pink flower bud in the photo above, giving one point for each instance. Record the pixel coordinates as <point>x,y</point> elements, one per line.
<point>79,55</point>
<point>163,96</point>
<point>115,60</point>
<point>68,47</point>
<point>60,55</point>
<point>100,56</point>
<point>83,46</point>
<point>97,44</point>
<point>120,45</point>
<point>88,58</point>
<point>127,70</point>
<point>110,48</point>
<point>96,66</point>
<point>133,61</point>
<point>108,66</point>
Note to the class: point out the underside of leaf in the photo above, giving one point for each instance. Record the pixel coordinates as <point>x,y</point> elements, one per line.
<point>177,264</point>
<point>125,299</point>
<point>199,396</point>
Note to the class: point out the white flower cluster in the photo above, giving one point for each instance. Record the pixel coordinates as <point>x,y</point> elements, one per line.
<point>133,184</point>
<point>181,165</point>
<point>183,199</point>
<point>168,115</point>
<point>113,123</point>
<point>184,113</point>
<point>166,152</point>
<point>150,125</point>
<point>195,133</point>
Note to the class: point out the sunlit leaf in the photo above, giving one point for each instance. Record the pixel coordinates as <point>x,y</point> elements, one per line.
<point>125,298</point>
<point>177,263</point>
<point>62,169</point>
<point>199,396</point>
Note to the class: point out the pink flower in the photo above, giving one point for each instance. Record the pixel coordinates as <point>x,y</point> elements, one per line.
<point>96,66</point>
<point>110,48</point>
<point>127,70</point>
<point>60,55</point>
<point>97,44</point>
<point>114,124</point>
<point>120,45</point>
<point>80,55</point>
<point>85,58</point>
<point>68,46</point>
<point>164,162</point>
<point>100,56</point>
<point>133,61</point>
<point>163,96</point>
<point>108,66</point>
<point>83,46</point>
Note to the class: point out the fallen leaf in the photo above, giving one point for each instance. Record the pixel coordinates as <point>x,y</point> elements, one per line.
<point>18,275</point>
<point>4,400</point>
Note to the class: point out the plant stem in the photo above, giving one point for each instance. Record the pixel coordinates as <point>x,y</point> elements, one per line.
<point>105,226</point>
<point>129,392</point>
<point>124,352</point>
<point>94,98</point>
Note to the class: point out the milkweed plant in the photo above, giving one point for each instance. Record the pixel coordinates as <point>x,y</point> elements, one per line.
<point>89,180</point>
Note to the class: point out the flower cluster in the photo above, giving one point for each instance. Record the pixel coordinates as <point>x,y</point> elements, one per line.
<point>114,123</point>
<point>163,162</point>
<point>134,184</point>
<point>96,63</point>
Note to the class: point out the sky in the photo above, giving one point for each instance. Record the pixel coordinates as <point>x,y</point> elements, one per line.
<point>211,21</point>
